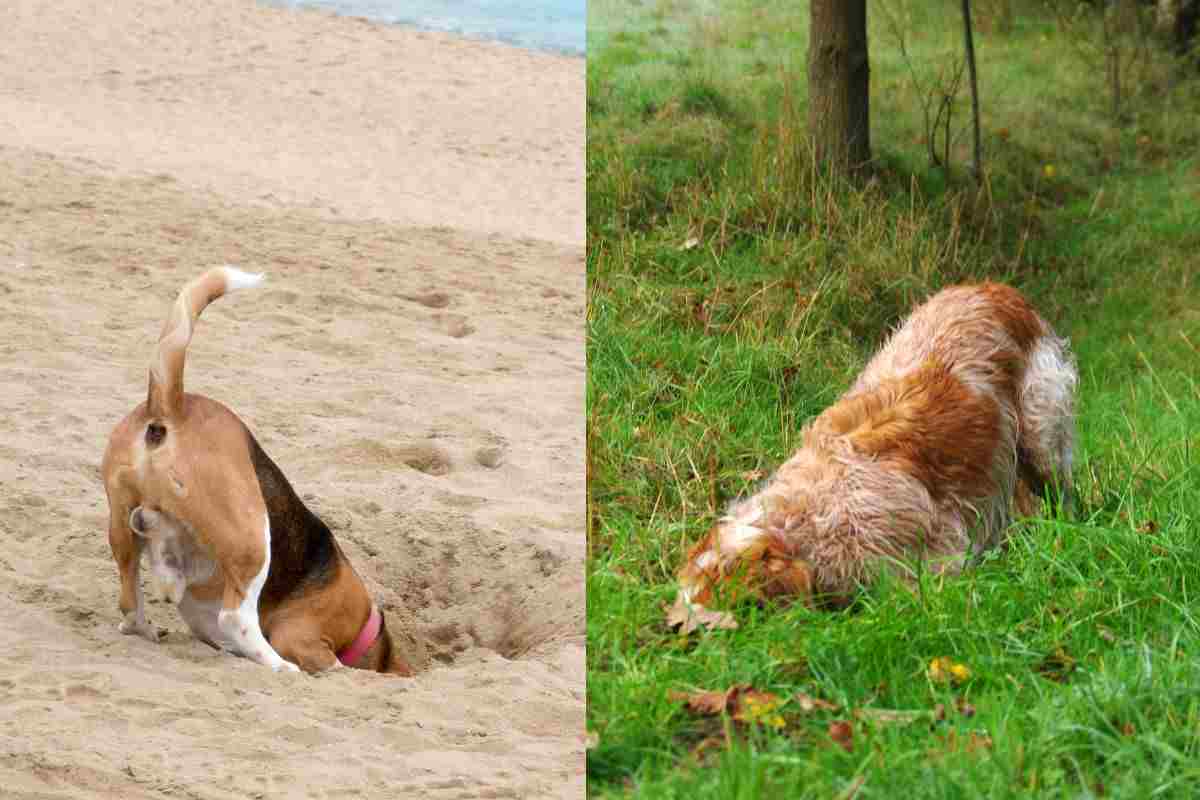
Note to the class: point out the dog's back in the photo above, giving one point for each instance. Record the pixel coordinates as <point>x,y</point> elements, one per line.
<point>968,403</point>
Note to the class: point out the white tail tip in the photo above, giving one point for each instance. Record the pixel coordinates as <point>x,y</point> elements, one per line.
<point>237,279</point>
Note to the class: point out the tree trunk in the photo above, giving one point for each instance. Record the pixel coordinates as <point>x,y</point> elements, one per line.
<point>839,118</point>
<point>1176,21</point>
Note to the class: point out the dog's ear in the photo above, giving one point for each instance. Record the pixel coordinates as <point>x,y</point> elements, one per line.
<point>701,566</point>
<point>706,544</point>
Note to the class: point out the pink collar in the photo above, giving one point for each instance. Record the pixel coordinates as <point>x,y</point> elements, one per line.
<point>366,638</point>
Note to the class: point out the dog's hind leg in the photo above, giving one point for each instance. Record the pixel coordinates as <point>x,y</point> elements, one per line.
<point>299,640</point>
<point>1047,423</point>
<point>245,570</point>
<point>127,552</point>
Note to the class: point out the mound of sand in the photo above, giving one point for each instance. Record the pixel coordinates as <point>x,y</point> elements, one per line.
<point>422,388</point>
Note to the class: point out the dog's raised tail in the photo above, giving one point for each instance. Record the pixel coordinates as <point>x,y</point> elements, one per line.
<point>165,397</point>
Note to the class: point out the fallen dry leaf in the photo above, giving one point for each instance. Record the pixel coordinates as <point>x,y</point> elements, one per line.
<point>689,243</point>
<point>742,702</point>
<point>842,732</point>
<point>689,617</point>
<point>711,702</point>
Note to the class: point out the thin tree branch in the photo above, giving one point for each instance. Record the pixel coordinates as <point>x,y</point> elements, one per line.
<point>976,160</point>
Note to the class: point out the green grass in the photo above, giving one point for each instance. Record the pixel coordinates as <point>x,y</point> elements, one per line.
<point>734,292</point>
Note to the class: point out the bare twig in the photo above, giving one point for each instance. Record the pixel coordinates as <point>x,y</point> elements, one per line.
<point>976,162</point>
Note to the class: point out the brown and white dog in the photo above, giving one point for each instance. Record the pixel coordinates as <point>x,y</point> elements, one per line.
<point>249,567</point>
<point>964,411</point>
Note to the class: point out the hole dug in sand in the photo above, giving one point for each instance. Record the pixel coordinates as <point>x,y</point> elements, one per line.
<point>421,456</point>
<point>425,458</point>
<point>516,625</point>
<point>467,588</point>
<point>431,299</point>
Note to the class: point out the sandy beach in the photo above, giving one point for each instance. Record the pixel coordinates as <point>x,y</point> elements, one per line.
<point>414,364</point>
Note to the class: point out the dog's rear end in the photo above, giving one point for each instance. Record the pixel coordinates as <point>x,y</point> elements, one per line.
<point>281,592</point>
<point>143,464</point>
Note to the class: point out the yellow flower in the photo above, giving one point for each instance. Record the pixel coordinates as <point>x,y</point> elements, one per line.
<point>1049,171</point>
<point>760,708</point>
<point>944,670</point>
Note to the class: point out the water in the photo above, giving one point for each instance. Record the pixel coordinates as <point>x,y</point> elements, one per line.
<point>554,25</point>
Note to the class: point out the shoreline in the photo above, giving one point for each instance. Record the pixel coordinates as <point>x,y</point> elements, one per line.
<point>562,50</point>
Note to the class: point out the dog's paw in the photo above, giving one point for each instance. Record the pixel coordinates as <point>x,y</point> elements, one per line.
<point>131,627</point>
<point>285,666</point>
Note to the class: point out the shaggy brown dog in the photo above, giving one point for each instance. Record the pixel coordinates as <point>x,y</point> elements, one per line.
<point>967,408</point>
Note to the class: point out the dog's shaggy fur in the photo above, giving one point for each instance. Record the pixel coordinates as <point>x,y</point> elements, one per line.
<point>964,411</point>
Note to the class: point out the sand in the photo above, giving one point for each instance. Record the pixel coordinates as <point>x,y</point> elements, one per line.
<point>415,365</point>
